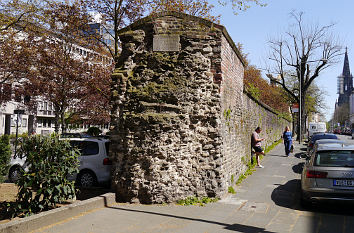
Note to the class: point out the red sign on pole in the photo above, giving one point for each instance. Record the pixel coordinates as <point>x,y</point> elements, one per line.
<point>295,107</point>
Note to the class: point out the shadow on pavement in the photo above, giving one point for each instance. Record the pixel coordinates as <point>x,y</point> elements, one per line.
<point>288,196</point>
<point>298,167</point>
<point>300,155</point>
<point>87,193</point>
<point>232,227</point>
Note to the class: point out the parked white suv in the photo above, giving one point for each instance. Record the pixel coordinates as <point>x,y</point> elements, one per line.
<point>95,165</point>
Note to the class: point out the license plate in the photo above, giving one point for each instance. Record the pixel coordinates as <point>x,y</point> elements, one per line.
<point>349,183</point>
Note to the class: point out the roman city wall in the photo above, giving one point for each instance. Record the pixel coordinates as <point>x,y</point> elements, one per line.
<point>181,120</point>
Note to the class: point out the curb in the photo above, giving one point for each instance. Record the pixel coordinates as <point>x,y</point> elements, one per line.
<point>55,215</point>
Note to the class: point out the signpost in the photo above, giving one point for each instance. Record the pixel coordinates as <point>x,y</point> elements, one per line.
<point>295,107</point>
<point>18,112</point>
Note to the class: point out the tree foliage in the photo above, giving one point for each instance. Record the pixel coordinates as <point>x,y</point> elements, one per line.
<point>271,95</point>
<point>50,162</point>
<point>64,73</point>
<point>200,8</point>
<point>5,155</point>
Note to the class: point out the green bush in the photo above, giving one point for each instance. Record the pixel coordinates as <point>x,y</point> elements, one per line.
<point>5,156</point>
<point>201,201</point>
<point>231,190</point>
<point>50,162</point>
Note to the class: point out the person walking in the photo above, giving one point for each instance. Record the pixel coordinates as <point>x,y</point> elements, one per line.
<point>288,140</point>
<point>256,142</point>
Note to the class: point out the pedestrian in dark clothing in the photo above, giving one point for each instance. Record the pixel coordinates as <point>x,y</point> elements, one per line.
<point>288,140</point>
<point>256,141</point>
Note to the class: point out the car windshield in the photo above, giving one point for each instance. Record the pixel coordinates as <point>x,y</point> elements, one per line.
<point>335,158</point>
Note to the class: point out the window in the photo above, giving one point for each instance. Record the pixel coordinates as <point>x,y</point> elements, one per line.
<point>24,122</point>
<point>86,147</point>
<point>107,148</point>
<point>335,159</point>
<point>39,123</point>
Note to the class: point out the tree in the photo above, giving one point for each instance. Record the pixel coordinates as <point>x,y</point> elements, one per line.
<point>113,15</point>
<point>260,89</point>
<point>304,52</point>
<point>200,8</point>
<point>240,5</point>
<point>14,56</point>
<point>61,71</point>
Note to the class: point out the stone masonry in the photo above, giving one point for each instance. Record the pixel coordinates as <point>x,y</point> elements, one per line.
<point>181,122</point>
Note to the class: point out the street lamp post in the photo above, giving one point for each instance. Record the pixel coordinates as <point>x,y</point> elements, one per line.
<point>300,108</point>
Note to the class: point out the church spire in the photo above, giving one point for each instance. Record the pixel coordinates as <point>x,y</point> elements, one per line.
<point>346,69</point>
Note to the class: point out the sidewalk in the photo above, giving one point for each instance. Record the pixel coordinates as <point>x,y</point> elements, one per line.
<point>267,201</point>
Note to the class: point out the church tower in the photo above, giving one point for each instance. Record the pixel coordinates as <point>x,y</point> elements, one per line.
<point>345,82</point>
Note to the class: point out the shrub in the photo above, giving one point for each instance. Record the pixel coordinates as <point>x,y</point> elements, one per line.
<point>5,156</point>
<point>231,190</point>
<point>201,201</point>
<point>50,162</point>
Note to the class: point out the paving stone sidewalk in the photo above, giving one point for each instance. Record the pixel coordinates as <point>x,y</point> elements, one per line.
<point>267,201</point>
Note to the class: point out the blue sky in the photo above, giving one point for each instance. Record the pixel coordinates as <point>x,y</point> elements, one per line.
<point>254,27</point>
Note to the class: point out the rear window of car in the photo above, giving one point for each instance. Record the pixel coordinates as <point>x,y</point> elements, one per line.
<point>86,147</point>
<point>334,159</point>
<point>326,136</point>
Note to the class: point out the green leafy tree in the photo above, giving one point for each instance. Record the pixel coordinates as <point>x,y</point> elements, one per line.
<point>50,162</point>
<point>5,156</point>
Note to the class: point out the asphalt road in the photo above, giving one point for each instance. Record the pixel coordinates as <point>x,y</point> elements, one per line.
<point>266,202</point>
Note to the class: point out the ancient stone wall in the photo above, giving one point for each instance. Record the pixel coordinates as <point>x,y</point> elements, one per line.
<point>181,122</point>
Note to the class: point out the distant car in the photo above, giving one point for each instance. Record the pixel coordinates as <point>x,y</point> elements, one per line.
<point>316,127</point>
<point>319,136</point>
<point>328,174</point>
<point>95,165</point>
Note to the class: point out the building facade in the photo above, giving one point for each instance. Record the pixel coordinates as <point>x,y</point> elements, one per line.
<point>42,119</point>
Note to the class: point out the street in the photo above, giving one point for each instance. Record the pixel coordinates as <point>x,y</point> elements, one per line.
<point>266,201</point>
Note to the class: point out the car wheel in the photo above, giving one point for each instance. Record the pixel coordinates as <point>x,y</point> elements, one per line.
<point>86,179</point>
<point>15,173</point>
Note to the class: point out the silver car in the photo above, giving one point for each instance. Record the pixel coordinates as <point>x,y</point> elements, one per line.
<point>326,141</point>
<point>328,174</point>
<point>95,165</point>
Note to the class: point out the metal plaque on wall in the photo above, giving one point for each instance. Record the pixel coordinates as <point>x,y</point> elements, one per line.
<point>166,43</point>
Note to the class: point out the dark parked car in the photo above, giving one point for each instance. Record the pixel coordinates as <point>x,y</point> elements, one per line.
<point>319,136</point>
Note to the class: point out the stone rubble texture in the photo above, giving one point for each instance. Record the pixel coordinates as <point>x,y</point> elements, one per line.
<point>181,121</point>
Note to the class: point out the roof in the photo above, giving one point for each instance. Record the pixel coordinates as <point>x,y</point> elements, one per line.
<point>335,146</point>
<point>329,140</point>
<point>205,22</point>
